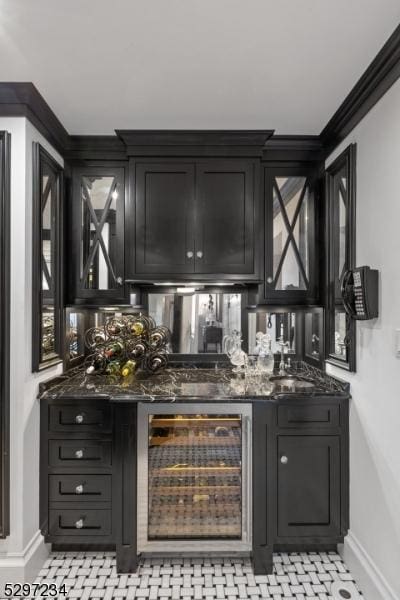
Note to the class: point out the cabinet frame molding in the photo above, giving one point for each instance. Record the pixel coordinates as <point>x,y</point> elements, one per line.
<point>346,160</point>
<point>5,266</point>
<point>42,157</point>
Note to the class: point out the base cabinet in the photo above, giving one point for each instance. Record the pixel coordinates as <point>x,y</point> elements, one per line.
<point>300,476</point>
<point>308,490</point>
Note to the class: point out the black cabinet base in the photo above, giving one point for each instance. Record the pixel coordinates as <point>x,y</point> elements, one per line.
<point>262,560</point>
<point>127,561</point>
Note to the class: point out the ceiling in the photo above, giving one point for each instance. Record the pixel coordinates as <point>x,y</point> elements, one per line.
<point>192,64</point>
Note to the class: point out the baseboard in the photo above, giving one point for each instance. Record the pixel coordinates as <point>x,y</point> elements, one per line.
<point>23,567</point>
<point>369,578</point>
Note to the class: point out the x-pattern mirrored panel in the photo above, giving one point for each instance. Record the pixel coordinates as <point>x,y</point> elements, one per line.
<point>291,208</point>
<point>98,213</point>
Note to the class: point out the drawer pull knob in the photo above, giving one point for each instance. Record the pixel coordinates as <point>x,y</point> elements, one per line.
<point>79,419</point>
<point>79,489</point>
<point>79,454</point>
<point>79,524</point>
<point>284,460</point>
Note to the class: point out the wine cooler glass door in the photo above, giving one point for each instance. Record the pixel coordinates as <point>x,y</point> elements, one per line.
<point>193,483</point>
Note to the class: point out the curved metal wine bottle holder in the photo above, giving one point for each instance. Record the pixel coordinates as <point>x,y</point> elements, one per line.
<point>136,340</point>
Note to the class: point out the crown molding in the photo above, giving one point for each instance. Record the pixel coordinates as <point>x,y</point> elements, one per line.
<point>380,75</point>
<point>145,142</point>
<point>297,148</point>
<point>22,99</point>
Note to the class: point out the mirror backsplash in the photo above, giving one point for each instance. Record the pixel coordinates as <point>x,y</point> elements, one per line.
<point>198,321</point>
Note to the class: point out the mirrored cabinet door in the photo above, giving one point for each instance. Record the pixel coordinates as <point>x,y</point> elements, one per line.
<point>98,231</point>
<point>290,246</point>
<point>46,260</point>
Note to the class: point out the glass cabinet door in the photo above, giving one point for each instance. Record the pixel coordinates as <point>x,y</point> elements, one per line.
<point>98,204</point>
<point>290,234</point>
<point>195,476</point>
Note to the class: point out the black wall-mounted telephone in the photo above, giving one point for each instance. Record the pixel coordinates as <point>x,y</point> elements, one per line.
<point>360,293</point>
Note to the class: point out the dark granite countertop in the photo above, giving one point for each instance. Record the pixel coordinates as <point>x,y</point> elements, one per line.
<point>191,383</point>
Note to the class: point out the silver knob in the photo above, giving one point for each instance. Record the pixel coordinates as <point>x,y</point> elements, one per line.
<point>79,454</point>
<point>79,489</point>
<point>269,279</point>
<point>79,419</point>
<point>119,280</point>
<point>189,254</point>
<point>199,254</point>
<point>284,460</point>
<point>79,524</point>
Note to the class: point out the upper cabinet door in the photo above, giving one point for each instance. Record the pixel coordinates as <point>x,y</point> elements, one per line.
<point>290,235</point>
<point>225,206</point>
<point>98,233</point>
<point>164,218</point>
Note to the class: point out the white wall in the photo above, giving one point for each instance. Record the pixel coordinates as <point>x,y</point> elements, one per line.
<point>375,408</point>
<point>24,546</point>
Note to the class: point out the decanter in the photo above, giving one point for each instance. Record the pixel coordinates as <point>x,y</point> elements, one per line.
<point>233,349</point>
<point>265,360</point>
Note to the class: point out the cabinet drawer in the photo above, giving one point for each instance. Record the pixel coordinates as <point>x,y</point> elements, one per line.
<point>80,418</point>
<point>80,488</point>
<point>304,416</point>
<point>79,453</point>
<point>80,521</point>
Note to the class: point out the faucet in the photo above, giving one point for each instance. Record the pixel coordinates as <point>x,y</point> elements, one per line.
<point>283,345</point>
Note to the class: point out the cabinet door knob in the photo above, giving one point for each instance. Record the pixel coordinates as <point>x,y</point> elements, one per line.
<point>189,254</point>
<point>269,279</point>
<point>79,419</point>
<point>79,524</point>
<point>79,454</point>
<point>284,460</point>
<point>199,254</point>
<point>119,281</point>
<point>79,489</point>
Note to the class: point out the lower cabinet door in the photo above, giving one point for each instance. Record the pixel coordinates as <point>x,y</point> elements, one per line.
<point>308,486</point>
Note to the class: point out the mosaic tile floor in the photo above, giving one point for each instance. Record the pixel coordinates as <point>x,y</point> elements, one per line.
<point>302,576</point>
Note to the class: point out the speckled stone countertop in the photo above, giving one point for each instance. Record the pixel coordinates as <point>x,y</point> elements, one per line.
<point>191,383</point>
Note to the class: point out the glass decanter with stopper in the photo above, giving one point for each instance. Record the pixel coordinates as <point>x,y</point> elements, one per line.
<point>265,360</point>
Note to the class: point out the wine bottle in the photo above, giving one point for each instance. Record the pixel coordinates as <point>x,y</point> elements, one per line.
<point>113,368</point>
<point>96,364</point>
<point>114,327</point>
<point>159,337</point>
<point>128,368</point>
<point>155,361</point>
<point>136,348</point>
<point>114,349</point>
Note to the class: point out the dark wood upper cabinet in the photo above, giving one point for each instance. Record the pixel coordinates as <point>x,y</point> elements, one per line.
<point>164,218</point>
<point>308,486</point>
<point>97,234</point>
<point>195,217</point>
<point>290,235</point>
<point>224,240</point>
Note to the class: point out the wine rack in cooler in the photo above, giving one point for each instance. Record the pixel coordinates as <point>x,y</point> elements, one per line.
<point>194,476</point>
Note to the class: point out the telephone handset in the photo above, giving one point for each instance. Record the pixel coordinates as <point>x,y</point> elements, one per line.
<point>360,293</point>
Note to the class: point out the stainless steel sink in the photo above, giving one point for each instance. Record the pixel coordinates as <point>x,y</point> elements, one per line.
<point>291,382</point>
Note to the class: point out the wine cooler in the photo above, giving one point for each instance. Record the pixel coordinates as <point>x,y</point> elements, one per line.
<point>194,477</point>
